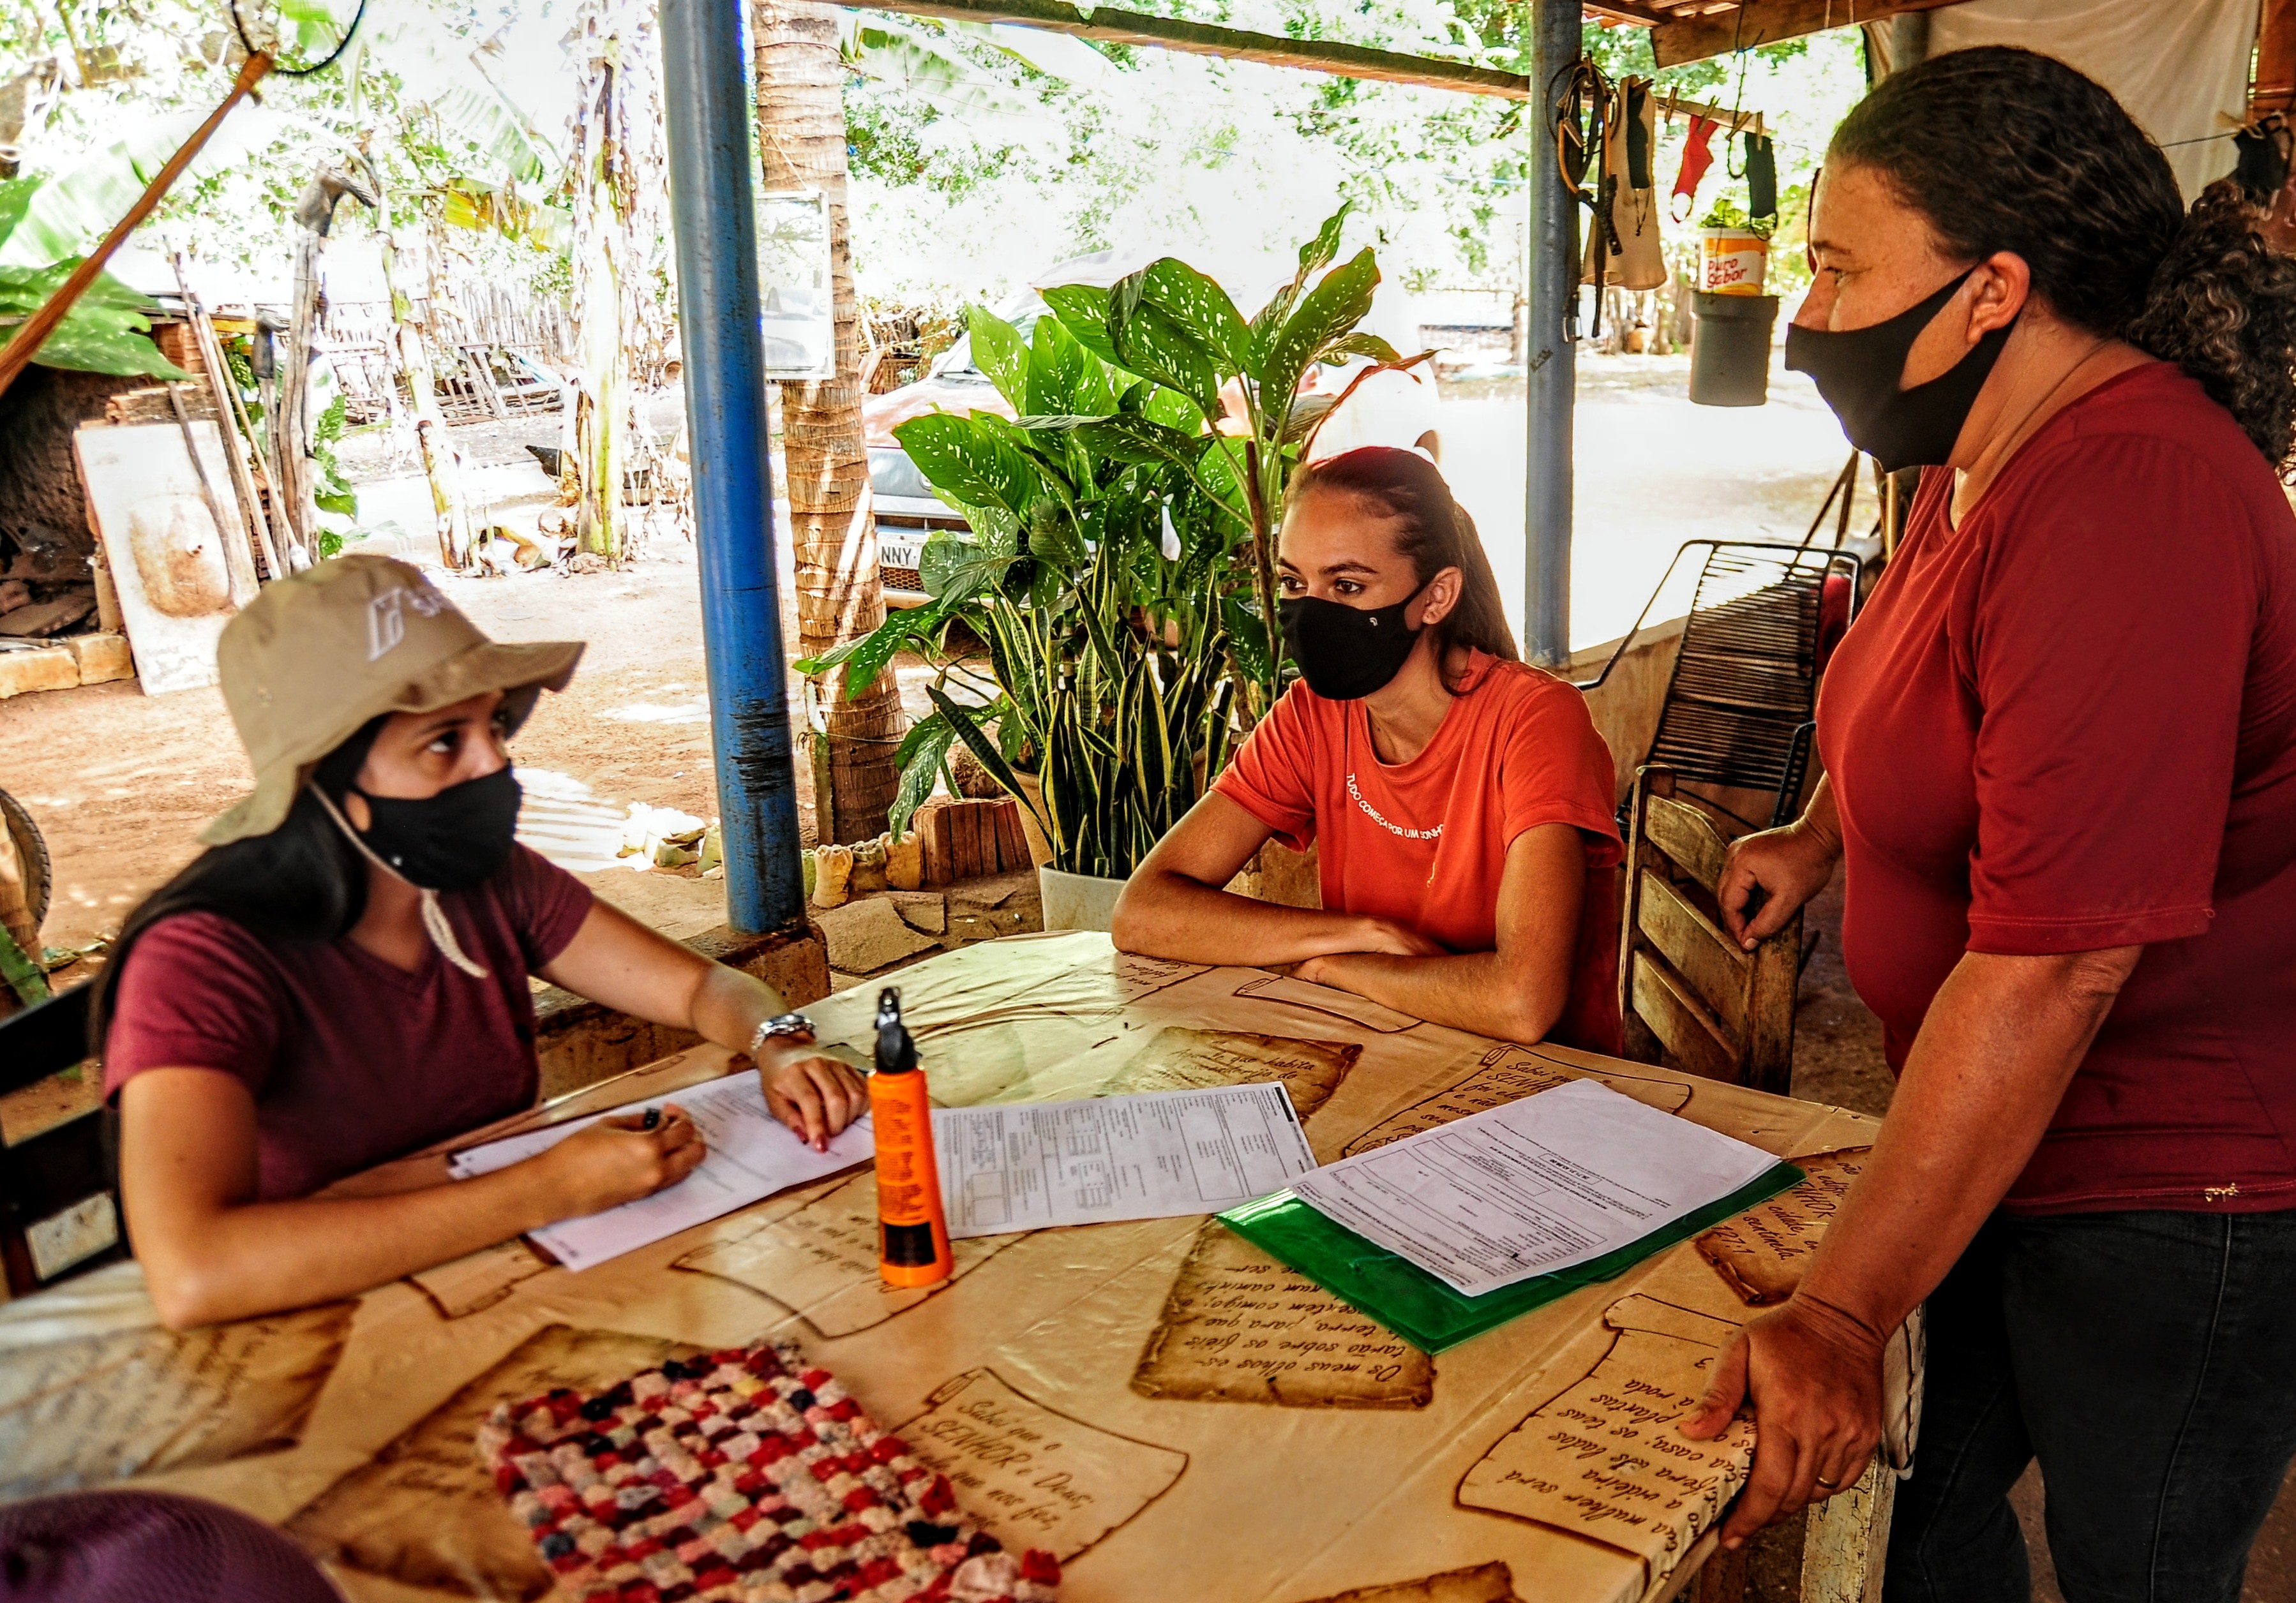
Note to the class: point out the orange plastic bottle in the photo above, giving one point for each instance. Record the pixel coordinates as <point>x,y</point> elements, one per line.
<point>911,1231</point>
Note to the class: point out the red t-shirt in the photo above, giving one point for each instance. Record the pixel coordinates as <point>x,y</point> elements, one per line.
<point>352,1060</point>
<point>1424,843</point>
<point>2071,724</point>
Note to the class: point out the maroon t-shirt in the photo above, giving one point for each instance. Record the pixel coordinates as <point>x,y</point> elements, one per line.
<point>352,1060</point>
<point>2070,725</point>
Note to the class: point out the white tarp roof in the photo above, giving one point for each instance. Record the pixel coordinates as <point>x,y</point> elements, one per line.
<point>2179,65</point>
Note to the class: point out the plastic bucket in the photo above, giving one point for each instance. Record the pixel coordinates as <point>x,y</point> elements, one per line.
<point>1732,261</point>
<point>1730,348</point>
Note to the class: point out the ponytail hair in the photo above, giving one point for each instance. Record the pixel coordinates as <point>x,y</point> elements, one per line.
<point>2002,149</point>
<point>1432,529</point>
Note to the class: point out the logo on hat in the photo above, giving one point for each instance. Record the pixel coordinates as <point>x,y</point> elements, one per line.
<point>386,621</point>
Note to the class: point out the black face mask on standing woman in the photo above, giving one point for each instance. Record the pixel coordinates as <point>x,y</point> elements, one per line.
<point>1857,371</point>
<point>451,841</point>
<point>1346,653</point>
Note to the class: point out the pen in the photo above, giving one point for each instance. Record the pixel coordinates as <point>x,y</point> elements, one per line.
<point>652,1120</point>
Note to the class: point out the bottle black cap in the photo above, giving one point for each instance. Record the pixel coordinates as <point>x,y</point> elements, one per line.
<point>896,1053</point>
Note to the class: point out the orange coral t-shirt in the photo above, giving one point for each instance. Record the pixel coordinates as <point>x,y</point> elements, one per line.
<point>1424,843</point>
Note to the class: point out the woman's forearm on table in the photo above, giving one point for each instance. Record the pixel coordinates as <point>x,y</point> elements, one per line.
<point>258,1256</point>
<point>1166,914</point>
<point>1476,991</point>
<point>2001,1042</point>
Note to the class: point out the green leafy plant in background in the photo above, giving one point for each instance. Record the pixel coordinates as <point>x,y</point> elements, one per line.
<point>330,491</point>
<point>108,330</point>
<point>1171,323</point>
<point>1084,604</point>
<point>1119,569</point>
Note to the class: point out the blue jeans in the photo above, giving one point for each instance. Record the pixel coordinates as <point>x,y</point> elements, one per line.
<point>2148,1359</point>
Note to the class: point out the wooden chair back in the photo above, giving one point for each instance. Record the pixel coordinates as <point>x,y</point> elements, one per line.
<point>1688,995</point>
<point>58,1190</point>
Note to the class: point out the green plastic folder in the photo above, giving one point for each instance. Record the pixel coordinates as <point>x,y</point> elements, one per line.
<point>1421,1309</point>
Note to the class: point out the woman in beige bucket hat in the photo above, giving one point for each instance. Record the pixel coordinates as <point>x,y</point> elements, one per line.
<point>342,978</point>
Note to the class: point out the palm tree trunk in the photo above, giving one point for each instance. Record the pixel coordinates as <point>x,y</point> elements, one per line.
<point>800,95</point>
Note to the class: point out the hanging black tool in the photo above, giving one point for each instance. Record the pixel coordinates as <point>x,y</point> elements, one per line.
<point>1581,134</point>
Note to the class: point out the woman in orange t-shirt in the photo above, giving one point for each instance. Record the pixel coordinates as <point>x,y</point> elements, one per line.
<point>1462,800</point>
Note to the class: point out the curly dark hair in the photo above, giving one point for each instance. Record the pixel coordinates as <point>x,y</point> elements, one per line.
<point>2004,150</point>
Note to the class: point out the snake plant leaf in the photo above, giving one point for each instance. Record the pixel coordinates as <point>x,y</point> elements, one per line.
<point>960,721</point>
<point>1315,255</point>
<point>969,459</point>
<point>923,751</point>
<point>1330,310</point>
<point>1201,308</point>
<point>999,351</point>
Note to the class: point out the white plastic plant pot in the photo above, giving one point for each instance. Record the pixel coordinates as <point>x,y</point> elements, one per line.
<point>1076,901</point>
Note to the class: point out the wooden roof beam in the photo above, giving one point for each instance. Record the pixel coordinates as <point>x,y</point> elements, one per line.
<point>1112,26</point>
<point>1719,32</point>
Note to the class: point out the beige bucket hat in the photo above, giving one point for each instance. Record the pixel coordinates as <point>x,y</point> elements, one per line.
<point>314,657</point>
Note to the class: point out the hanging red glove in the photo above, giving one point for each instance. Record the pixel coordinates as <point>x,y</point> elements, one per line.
<point>1696,158</point>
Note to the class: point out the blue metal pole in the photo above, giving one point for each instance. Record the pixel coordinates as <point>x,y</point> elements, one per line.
<point>1552,377</point>
<point>706,100</point>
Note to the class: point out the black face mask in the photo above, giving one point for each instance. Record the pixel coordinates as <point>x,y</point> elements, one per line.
<point>1345,653</point>
<point>451,841</point>
<point>1858,372</point>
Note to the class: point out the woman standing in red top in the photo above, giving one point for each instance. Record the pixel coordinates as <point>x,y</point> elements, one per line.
<point>2060,749</point>
<point>1462,800</point>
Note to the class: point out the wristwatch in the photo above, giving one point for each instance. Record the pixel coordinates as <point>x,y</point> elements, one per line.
<point>796,1026</point>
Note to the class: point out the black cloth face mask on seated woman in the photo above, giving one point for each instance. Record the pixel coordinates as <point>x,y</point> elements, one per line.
<point>1346,653</point>
<point>454,840</point>
<point>1858,372</point>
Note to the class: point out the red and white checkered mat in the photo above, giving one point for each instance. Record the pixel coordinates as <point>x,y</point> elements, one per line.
<point>743,1476</point>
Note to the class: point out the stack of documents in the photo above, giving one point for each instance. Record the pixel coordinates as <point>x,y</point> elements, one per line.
<point>1157,1155</point>
<point>1447,1233</point>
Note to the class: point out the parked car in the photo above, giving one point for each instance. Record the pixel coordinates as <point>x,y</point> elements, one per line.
<point>1388,409</point>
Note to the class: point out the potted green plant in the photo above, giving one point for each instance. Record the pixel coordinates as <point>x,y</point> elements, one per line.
<point>1118,572</point>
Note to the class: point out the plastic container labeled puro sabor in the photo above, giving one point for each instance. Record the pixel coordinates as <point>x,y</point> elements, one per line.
<point>1730,348</point>
<point>1732,261</point>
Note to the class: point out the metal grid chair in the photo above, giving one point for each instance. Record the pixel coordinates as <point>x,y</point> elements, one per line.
<point>1740,708</point>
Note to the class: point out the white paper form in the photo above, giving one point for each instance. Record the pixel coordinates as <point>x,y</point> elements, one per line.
<point>752,1154</point>
<point>1156,1155</point>
<point>1535,1186</point>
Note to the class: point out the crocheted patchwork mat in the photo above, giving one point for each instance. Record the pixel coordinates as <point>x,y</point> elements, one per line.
<point>743,1476</point>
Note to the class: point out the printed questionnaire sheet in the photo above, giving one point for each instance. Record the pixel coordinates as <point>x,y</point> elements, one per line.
<point>752,1154</point>
<point>1156,1155</point>
<point>1550,1181</point>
